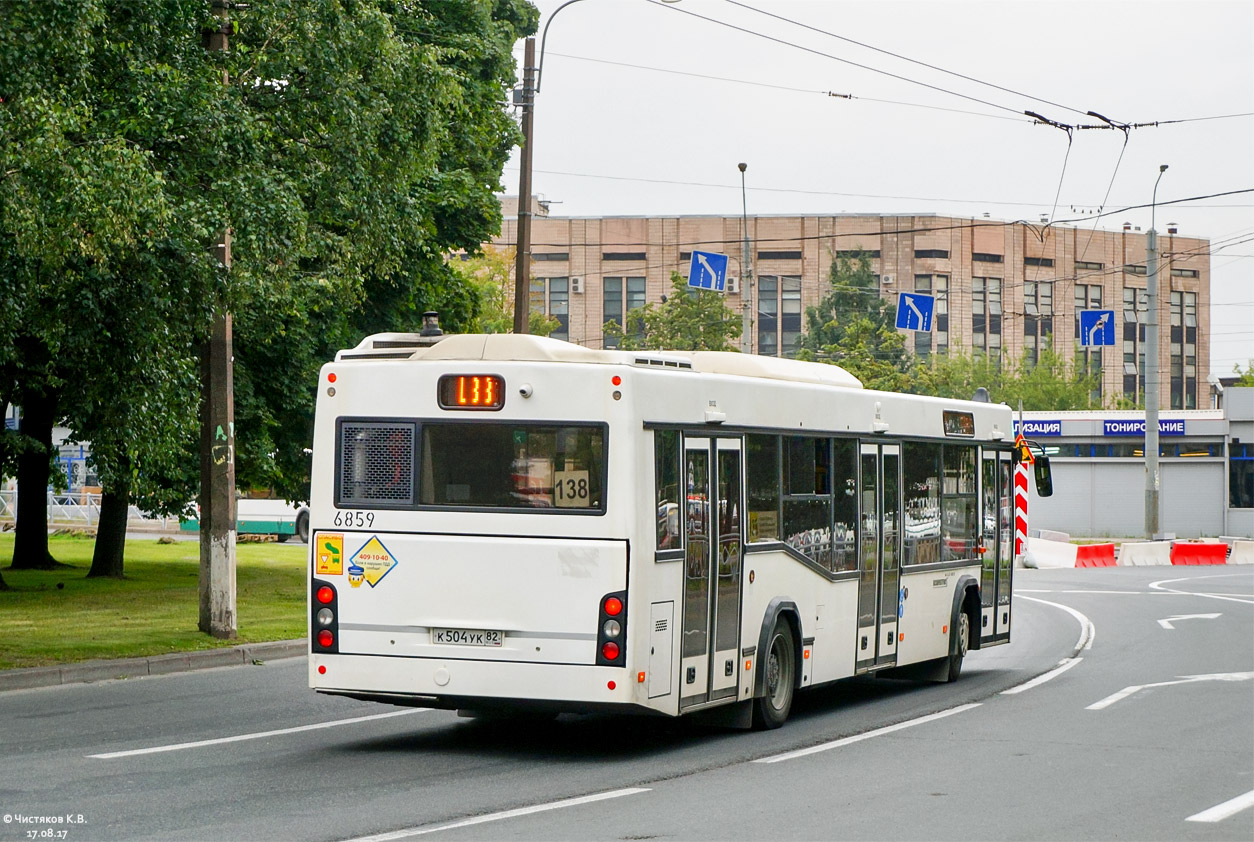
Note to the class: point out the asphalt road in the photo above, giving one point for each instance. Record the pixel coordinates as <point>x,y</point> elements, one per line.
<point>1103,742</point>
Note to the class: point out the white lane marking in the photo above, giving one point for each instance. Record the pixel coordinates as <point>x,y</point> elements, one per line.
<point>1222,811</point>
<point>135,752</point>
<point>1128,593</point>
<point>1167,623</point>
<point>1063,665</point>
<point>504,814</point>
<point>1184,679</point>
<point>1088,632</point>
<point>1161,583</point>
<point>856,738</point>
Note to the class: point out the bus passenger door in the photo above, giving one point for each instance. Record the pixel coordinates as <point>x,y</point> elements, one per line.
<point>712,570</point>
<point>879,579</point>
<point>997,542</point>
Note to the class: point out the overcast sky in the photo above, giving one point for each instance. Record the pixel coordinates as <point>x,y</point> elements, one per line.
<point>646,109</point>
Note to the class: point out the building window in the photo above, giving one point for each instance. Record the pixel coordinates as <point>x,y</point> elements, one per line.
<point>779,255</point>
<point>986,316</point>
<point>941,253</point>
<point>1038,318</point>
<point>1088,357</point>
<point>1183,350</point>
<point>622,255</point>
<point>1046,262</point>
<point>854,254</point>
<point>1184,273</point>
<point>936,286</point>
<point>779,315</point>
<point>551,296</point>
<point>615,307</point>
<point>1088,266</point>
<point>982,257</point>
<point>1135,310</point>
<point>1241,476</point>
<point>1133,269</point>
<point>550,255</point>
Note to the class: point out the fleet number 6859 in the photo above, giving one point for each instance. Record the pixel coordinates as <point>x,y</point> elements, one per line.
<point>364,520</point>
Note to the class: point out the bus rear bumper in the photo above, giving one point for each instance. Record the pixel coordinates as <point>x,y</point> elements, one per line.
<point>479,685</point>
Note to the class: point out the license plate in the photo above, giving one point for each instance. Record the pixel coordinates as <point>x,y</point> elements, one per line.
<point>468,637</point>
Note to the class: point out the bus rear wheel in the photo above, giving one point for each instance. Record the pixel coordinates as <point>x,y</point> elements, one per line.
<point>770,710</point>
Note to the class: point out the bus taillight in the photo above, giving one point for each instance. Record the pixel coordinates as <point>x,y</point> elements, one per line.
<point>612,630</point>
<point>324,625</point>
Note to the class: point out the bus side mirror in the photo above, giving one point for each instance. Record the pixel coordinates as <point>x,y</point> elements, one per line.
<point>1044,478</point>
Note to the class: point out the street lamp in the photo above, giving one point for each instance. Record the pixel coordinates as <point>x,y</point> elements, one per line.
<point>522,263</point>
<point>1151,370</point>
<point>746,286</point>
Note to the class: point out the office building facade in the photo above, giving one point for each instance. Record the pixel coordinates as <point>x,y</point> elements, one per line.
<point>1006,289</point>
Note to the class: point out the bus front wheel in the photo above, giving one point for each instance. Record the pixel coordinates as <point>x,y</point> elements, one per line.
<point>770,710</point>
<point>959,639</point>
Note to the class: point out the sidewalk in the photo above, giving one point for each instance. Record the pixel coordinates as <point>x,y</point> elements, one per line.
<point>102,670</point>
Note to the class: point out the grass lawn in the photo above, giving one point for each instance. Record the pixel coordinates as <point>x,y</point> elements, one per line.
<point>60,616</point>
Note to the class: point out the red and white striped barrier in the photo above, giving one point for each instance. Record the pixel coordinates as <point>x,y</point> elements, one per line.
<point>1095,555</point>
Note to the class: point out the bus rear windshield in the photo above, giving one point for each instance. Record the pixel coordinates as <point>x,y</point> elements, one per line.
<point>512,466</point>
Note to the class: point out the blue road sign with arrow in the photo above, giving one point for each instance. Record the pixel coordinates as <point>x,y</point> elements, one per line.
<point>1097,327</point>
<point>914,311</point>
<point>708,271</point>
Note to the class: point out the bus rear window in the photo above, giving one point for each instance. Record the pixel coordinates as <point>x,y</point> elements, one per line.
<point>529,466</point>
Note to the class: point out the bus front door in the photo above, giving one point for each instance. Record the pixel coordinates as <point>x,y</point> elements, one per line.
<point>712,570</point>
<point>879,565</point>
<point>998,546</point>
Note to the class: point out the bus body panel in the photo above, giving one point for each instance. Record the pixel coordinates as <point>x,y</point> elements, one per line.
<point>430,596</point>
<point>926,608</point>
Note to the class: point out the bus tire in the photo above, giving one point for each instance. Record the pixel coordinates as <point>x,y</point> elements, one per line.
<point>302,527</point>
<point>959,640</point>
<point>770,710</point>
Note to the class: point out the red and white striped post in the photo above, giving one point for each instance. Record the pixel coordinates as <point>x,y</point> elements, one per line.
<point>1021,505</point>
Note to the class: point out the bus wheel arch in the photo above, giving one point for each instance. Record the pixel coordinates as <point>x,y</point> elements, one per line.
<point>778,676</point>
<point>964,634</point>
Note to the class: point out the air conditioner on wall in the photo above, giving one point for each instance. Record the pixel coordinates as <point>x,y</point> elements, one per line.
<point>576,286</point>
<point>732,287</point>
<point>886,280</point>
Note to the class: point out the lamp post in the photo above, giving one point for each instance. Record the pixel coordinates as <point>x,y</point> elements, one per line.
<point>527,100</point>
<point>746,286</point>
<point>1151,370</point>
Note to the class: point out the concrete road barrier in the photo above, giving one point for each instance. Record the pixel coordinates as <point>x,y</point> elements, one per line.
<point>1145,553</point>
<point>1044,553</point>
<point>1242,550</point>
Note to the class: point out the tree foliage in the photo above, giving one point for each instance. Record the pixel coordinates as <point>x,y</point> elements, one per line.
<point>355,144</point>
<point>488,274</point>
<point>1051,383</point>
<point>689,319</point>
<point>1244,378</point>
<point>854,327</point>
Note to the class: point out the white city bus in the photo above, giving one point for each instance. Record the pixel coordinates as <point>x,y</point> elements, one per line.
<point>516,523</point>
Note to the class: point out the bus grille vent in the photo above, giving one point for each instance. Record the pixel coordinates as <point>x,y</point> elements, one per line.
<point>376,464</point>
<point>661,625</point>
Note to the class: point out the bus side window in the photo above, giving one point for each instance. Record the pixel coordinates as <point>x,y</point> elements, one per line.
<point>666,484</point>
<point>762,465</point>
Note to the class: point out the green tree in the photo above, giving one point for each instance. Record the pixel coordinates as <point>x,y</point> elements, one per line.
<point>689,319</point>
<point>489,273</point>
<point>354,146</point>
<point>853,326</point>
<point>1050,384</point>
<point>1244,378</point>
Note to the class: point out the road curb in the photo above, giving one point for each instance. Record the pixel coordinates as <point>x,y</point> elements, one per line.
<point>102,670</point>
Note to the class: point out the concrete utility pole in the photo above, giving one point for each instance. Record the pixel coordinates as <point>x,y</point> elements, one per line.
<point>746,271</point>
<point>217,433</point>
<point>1151,371</point>
<point>522,262</point>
